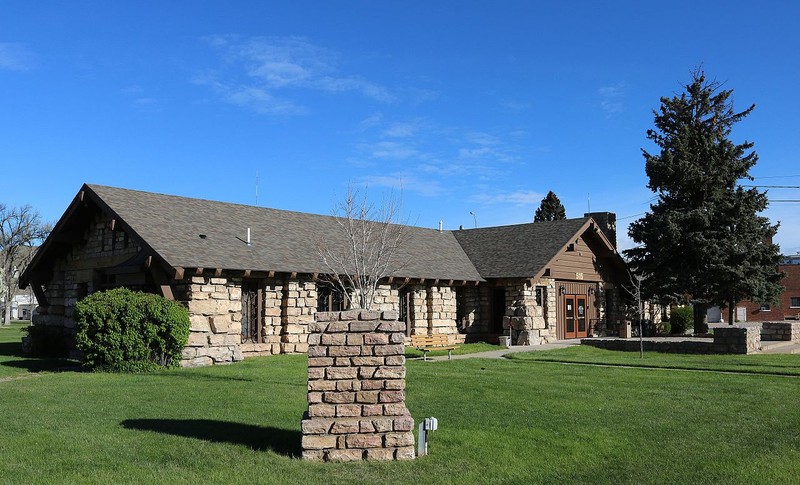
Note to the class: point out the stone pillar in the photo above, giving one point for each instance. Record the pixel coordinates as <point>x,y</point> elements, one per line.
<point>356,389</point>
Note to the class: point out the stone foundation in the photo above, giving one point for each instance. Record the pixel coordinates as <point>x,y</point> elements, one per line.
<point>356,389</point>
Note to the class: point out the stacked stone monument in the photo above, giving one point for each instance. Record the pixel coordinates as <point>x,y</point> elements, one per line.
<point>356,388</point>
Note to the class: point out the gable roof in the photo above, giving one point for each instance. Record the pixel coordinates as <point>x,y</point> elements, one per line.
<point>520,250</point>
<point>170,228</point>
<point>281,241</point>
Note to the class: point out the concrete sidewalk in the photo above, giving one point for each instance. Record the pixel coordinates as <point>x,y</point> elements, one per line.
<point>498,354</point>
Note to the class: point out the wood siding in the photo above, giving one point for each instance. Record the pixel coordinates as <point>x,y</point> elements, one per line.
<point>577,262</point>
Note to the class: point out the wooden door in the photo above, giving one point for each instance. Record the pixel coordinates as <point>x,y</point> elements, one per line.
<point>575,317</point>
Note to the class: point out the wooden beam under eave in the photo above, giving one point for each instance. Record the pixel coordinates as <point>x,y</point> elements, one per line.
<point>293,275</point>
<point>271,274</point>
<point>38,291</point>
<point>247,273</point>
<point>198,271</point>
<point>450,283</point>
<point>314,276</point>
<point>113,224</point>
<point>218,272</point>
<point>81,195</point>
<point>148,262</point>
<point>166,292</point>
<point>389,281</point>
<point>177,273</point>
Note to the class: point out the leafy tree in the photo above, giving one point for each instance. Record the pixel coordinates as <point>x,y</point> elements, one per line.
<point>703,240</point>
<point>550,209</point>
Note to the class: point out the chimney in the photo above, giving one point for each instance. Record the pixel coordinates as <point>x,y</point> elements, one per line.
<point>606,222</point>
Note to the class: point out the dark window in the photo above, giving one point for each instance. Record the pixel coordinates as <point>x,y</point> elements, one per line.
<point>405,314</point>
<point>794,302</point>
<point>251,307</point>
<point>461,308</point>
<point>330,299</point>
<point>764,307</point>
<point>539,294</point>
<point>498,309</point>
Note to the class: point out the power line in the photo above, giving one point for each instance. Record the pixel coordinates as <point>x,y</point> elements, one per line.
<point>775,186</point>
<point>777,177</point>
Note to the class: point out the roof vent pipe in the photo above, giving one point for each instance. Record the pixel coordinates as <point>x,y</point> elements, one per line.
<point>248,236</point>
<point>440,225</point>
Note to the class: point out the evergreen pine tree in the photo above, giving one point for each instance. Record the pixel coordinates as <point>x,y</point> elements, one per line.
<point>550,209</point>
<point>703,238</point>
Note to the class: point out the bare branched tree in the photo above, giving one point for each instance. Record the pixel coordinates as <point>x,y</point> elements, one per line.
<point>20,229</point>
<point>635,291</point>
<point>364,251</point>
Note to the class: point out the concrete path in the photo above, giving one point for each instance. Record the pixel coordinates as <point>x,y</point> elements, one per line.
<point>498,354</point>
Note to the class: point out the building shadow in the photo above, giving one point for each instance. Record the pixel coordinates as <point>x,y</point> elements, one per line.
<point>20,360</point>
<point>260,438</point>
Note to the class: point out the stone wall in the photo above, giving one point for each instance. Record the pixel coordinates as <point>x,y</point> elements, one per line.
<point>474,325</point>
<point>299,305</point>
<point>356,389</point>
<point>735,339</point>
<point>214,306</point>
<point>441,304</point>
<point>530,321</point>
<point>784,331</point>
<point>76,275</point>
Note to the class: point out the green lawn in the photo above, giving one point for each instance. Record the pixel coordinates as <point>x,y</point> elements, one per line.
<point>500,421</point>
<point>461,350</point>
<point>778,364</point>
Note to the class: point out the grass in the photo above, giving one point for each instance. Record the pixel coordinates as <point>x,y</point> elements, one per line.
<point>12,361</point>
<point>500,421</point>
<point>775,364</point>
<point>463,349</point>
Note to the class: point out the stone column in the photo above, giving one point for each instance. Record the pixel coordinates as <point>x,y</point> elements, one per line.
<point>356,389</point>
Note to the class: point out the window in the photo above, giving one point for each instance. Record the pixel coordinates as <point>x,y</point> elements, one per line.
<point>794,302</point>
<point>406,304</point>
<point>764,307</point>
<point>330,299</point>
<point>538,293</point>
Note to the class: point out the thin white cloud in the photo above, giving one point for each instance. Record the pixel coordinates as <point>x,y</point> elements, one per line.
<point>519,198</point>
<point>611,98</point>
<point>406,182</point>
<point>388,150</point>
<point>265,70</point>
<point>15,56</point>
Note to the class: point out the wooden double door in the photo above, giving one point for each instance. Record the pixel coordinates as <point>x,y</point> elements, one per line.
<point>576,323</point>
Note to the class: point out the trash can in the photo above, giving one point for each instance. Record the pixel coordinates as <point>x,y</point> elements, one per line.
<point>625,329</point>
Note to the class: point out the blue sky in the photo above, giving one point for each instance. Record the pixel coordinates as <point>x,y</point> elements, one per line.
<point>468,106</point>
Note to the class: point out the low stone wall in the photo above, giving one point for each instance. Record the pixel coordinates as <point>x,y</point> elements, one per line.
<point>356,389</point>
<point>781,331</point>
<point>737,339</point>
<point>670,345</point>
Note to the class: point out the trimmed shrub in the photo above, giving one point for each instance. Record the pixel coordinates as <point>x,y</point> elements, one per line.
<point>681,320</point>
<point>121,330</point>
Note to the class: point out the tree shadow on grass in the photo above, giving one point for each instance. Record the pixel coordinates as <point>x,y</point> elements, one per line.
<point>260,438</point>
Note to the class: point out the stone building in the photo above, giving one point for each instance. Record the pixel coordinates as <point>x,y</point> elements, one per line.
<point>252,279</point>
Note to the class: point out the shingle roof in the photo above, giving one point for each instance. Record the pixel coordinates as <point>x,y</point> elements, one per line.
<point>281,240</point>
<point>517,251</point>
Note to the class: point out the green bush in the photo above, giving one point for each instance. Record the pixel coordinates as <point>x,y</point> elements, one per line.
<point>681,320</point>
<point>128,331</point>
